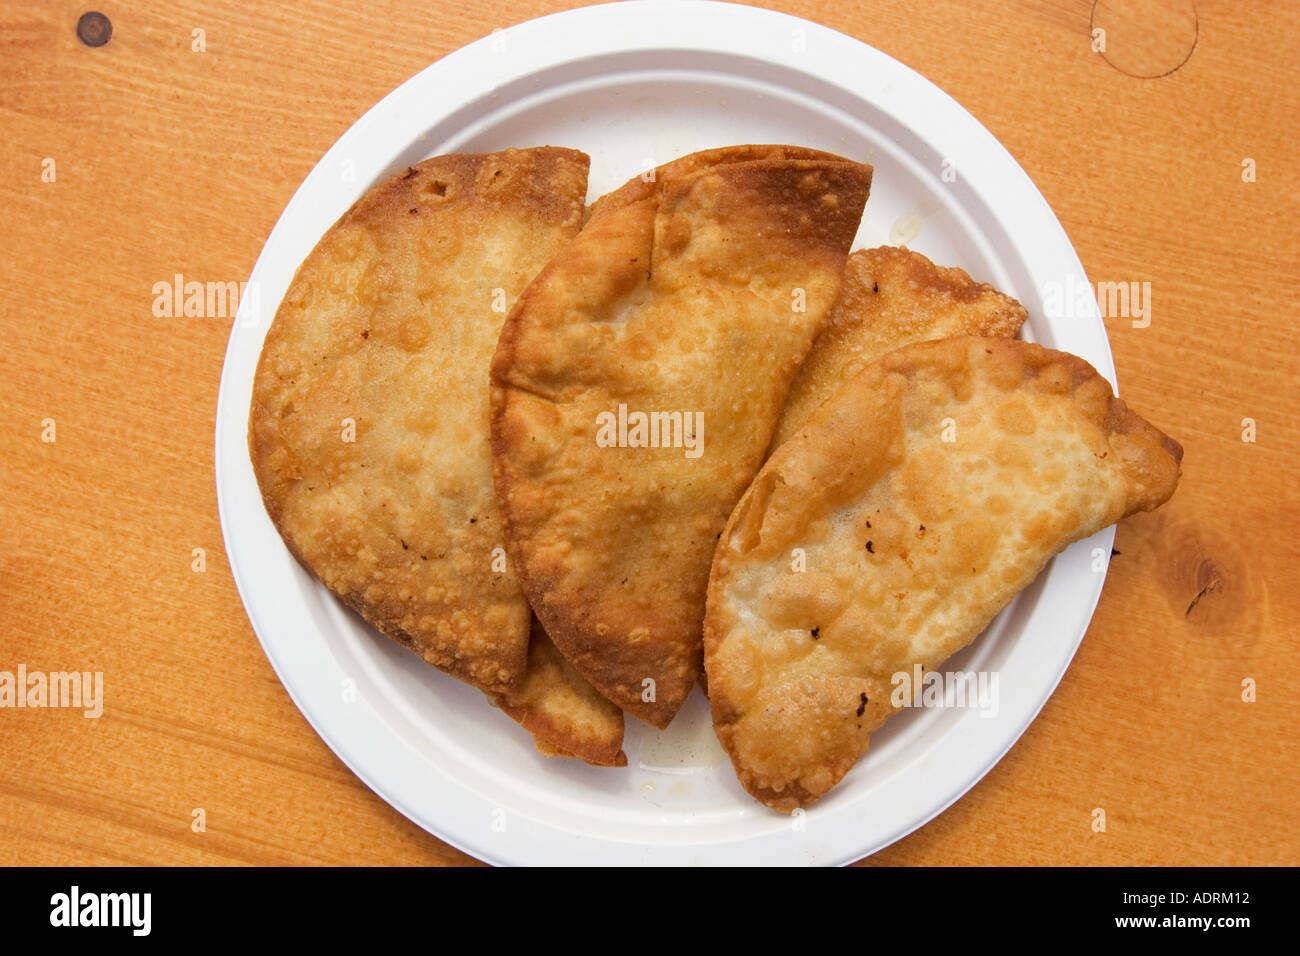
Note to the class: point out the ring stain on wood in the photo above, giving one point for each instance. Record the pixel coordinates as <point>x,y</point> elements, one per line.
<point>1203,574</point>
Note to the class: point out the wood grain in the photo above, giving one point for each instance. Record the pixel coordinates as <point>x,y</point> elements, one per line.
<point>169,161</point>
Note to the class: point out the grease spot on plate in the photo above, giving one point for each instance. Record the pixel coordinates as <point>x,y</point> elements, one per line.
<point>688,745</point>
<point>906,228</point>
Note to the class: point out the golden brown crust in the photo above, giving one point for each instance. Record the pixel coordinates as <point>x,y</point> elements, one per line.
<point>548,749</point>
<point>892,297</point>
<point>367,430</point>
<point>646,186</point>
<point>921,498</point>
<point>565,714</point>
<point>649,307</point>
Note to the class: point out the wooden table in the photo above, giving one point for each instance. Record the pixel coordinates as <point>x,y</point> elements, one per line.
<point>168,160</point>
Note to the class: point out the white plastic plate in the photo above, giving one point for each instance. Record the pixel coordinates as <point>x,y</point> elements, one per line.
<point>634,84</point>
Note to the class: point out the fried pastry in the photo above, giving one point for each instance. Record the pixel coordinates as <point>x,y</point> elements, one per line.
<point>635,389</point>
<point>891,297</point>
<point>565,714</point>
<point>369,422</point>
<point>886,534</point>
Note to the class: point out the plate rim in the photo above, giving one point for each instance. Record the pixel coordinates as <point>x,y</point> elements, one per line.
<point>707,36</point>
